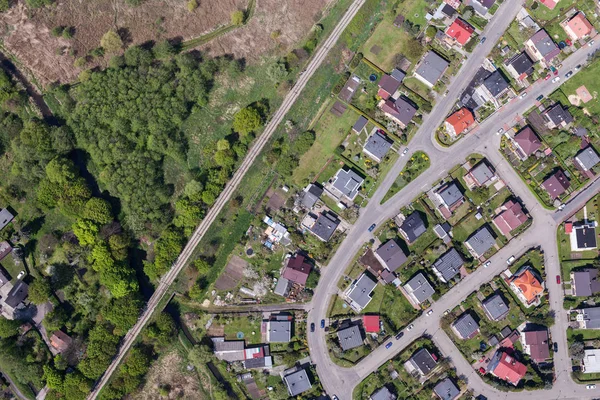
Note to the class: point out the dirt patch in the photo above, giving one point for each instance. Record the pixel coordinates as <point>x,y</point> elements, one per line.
<point>170,370</point>
<point>537,122</point>
<point>338,109</point>
<point>233,274</point>
<point>375,50</point>
<point>216,330</point>
<point>575,100</point>
<point>276,201</point>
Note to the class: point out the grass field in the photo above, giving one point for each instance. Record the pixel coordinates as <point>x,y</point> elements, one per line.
<point>418,163</point>
<point>543,13</point>
<point>588,76</point>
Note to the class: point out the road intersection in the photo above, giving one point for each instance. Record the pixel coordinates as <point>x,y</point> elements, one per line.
<point>542,233</point>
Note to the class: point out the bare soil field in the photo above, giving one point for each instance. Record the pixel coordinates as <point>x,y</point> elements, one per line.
<point>233,274</point>
<point>27,35</point>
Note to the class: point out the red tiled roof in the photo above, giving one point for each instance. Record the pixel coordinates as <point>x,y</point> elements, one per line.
<point>580,26</point>
<point>568,227</point>
<point>509,369</point>
<point>460,30</point>
<point>529,285</point>
<point>549,3</point>
<point>511,218</point>
<point>528,141</point>
<point>297,270</point>
<point>371,323</point>
<point>461,120</point>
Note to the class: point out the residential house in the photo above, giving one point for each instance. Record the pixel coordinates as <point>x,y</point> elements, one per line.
<point>5,218</point>
<point>527,285</point>
<point>14,299</point>
<point>446,390</point>
<point>510,218</point>
<point>413,227</point>
<point>350,337</point>
<point>349,89</point>
<point>578,27</point>
<point>297,382</point>
<point>325,225</point>
<point>390,255</point>
<point>283,287</point>
<point>481,174</point>
<point>5,249</point>
<point>371,323</point>
<point>279,329</point>
<point>481,7</point>
<point>359,293</point>
<point>585,283</point>
<point>448,10</point>
<point>459,122</point>
<point>382,393</point>
<point>583,236</point>
<point>587,159</point>
<point>557,117</point>
<point>443,231</point>
<point>418,289</point>
<point>258,357</point>
<point>465,327</point>
<point>588,318</point>
<point>492,88</point>
<point>535,343</point>
<point>346,183</point>
<point>540,47</point>
<point>519,66</point>
<point>526,143</point>
<point>360,124</point>
<point>377,146</point>
<point>4,276</point>
<point>460,31</point>
<point>550,3</point>
<point>453,3</point>
<point>556,184</point>
<point>450,196</point>
<point>448,265</point>
<point>506,367</point>
<point>297,270</point>
<point>431,68</point>
<point>400,111</point>
<point>480,242</point>
<point>60,341</point>
<point>389,84</point>
<point>591,361</point>
<point>228,350</point>
<point>275,233</point>
<point>495,308</point>
<point>423,362</point>
<point>310,195</point>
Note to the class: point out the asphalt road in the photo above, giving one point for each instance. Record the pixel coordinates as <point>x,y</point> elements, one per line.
<point>226,194</point>
<point>341,381</point>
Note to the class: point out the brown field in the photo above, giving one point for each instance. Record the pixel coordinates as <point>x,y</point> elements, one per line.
<point>26,33</point>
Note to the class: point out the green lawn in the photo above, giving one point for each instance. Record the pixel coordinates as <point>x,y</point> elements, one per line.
<point>588,76</point>
<point>418,163</point>
<point>467,227</point>
<point>339,308</point>
<point>376,299</point>
<point>249,326</point>
<point>543,13</point>
<point>395,308</point>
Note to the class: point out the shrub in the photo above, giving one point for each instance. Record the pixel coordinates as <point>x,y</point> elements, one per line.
<point>192,5</point>
<point>238,17</point>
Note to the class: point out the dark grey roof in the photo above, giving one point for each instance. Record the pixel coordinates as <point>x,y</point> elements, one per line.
<point>521,63</point>
<point>557,114</point>
<point>392,255</point>
<point>585,283</point>
<point>481,241</point>
<point>283,287</point>
<point>448,265</point>
<point>5,218</point>
<point>383,394</point>
<point>401,109</point>
<point>505,331</point>
<point>360,123</point>
<point>311,195</point>
<point>413,226</point>
<point>419,287</point>
<point>17,294</point>
<point>220,344</point>
<point>448,10</point>
<point>325,225</point>
<point>495,83</point>
<point>378,145</point>
<point>4,276</point>
<point>495,307</point>
<point>280,331</point>
<point>423,361</point>
<point>297,382</point>
<point>361,291</point>
<point>585,236</point>
<point>397,74</point>
<point>348,182</point>
<point>259,362</point>
<point>466,326</point>
<point>592,317</point>
<point>580,131</point>
<point>432,67</point>
<point>446,390</point>
<point>450,194</point>
<point>587,158</point>
<point>350,337</point>
<point>482,172</point>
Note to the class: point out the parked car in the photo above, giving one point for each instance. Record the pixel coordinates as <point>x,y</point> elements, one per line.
<point>429,313</point>
<point>482,41</point>
<point>404,152</point>
<point>523,95</point>
<point>510,260</point>
<point>21,275</point>
<point>540,97</point>
<point>555,347</point>
<point>568,74</point>
<point>590,386</point>
<point>398,336</point>
<point>446,312</point>
<point>372,227</point>
<point>387,346</point>
<point>482,370</point>
<point>487,264</point>
<point>591,43</point>
<point>577,67</point>
<point>558,279</point>
<point>556,79</point>
<point>322,323</point>
<point>501,130</point>
<point>547,77</point>
<point>312,327</point>
<point>334,397</point>
<point>410,327</point>
<point>561,207</point>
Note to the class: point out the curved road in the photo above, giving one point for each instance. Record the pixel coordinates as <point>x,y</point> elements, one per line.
<point>257,147</point>
<point>341,381</point>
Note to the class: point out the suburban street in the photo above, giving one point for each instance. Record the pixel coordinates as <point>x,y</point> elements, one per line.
<point>183,259</point>
<point>341,381</point>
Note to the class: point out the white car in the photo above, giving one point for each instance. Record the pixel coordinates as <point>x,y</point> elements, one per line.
<point>523,95</point>
<point>556,79</point>
<point>21,275</point>
<point>510,260</point>
<point>404,152</point>
<point>446,312</point>
<point>592,386</point>
<point>487,264</point>
<point>501,130</point>
<point>429,313</point>
<point>591,43</point>
<point>408,328</point>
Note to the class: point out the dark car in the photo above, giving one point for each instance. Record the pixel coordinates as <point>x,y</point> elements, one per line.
<point>372,227</point>
<point>540,97</point>
<point>312,327</point>
<point>568,74</point>
<point>398,336</point>
<point>387,346</point>
<point>482,41</point>
<point>322,323</point>
<point>555,347</point>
